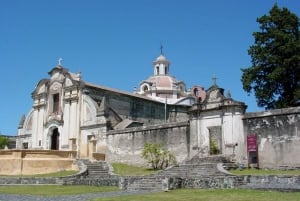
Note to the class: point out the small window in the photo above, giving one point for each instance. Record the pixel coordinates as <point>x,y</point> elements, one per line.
<point>145,88</point>
<point>25,145</point>
<point>55,102</point>
<point>196,92</point>
<point>40,143</point>
<point>157,70</point>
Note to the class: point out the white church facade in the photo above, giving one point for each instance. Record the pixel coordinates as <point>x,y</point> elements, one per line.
<point>71,114</point>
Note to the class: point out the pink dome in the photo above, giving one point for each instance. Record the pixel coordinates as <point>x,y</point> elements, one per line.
<point>162,82</point>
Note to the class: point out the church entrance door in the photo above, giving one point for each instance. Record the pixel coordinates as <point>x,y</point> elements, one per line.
<point>55,139</point>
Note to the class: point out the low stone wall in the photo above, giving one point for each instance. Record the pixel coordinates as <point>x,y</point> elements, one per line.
<point>27,162</point>
<point>247,181</point>
<point>31,181</point>
<point>111,181</point>
<point>207,182</point>
<point>271,182</point>
<point>282,182</point>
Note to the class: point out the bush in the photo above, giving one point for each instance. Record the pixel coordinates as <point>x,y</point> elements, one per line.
<point>157,156</point>
<point>214,149</point>
<point>4,141</point>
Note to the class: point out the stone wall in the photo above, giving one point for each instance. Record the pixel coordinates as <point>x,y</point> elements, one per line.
<point>28,162</point>
<point>268,182</point>
<point>126,145</point>
<point>278,136</point>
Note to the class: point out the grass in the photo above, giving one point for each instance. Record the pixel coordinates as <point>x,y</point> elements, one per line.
<point>53,190</point>
<point>209,195</point>
<point>264,172</point>
<point>54,174</point>
<point>175,195</point>
<point>129,170</point>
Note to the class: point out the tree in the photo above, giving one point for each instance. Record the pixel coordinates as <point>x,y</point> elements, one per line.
<point>275,72</point>
<point>4,141</point>
<point>157,156</point>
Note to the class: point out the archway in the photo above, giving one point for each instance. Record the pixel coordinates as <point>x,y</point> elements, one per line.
<point>55,139</point>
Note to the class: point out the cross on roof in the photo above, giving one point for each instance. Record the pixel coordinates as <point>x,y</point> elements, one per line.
<point>214,78</point>
<point>59,61</point>
<point>161,49</point>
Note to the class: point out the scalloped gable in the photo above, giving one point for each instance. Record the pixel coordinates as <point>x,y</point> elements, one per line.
<point>68,82</point>
<point>41,87</point>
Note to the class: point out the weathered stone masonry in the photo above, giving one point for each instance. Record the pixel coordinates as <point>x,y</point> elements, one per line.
<point>126,145</point>
<point>278,136</point>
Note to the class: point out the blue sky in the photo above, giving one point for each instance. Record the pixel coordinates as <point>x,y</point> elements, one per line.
<point>113,43</point>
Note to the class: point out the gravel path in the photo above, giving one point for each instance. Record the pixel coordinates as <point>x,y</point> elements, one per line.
<point>80,197</point>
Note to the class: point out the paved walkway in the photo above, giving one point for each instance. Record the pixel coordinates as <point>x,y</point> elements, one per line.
<point>80,197</point>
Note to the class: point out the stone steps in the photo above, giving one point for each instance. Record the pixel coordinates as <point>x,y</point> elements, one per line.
<point>192,170</point>
<point>97,169</point>
<point>198,168</point>
<point>145,184</point>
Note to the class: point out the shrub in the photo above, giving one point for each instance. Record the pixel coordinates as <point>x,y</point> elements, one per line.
<point>4,141</point>
<point>157,156</point>
<point>214,149</point>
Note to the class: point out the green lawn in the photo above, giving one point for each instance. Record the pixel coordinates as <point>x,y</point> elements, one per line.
<point>210,195</point>
<point>129,170</point>
<point>264,172</point>
<point>174,195</point>
<point>53,190</point>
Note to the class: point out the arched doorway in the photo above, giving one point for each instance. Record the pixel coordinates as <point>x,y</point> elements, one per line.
<point>55,139</point>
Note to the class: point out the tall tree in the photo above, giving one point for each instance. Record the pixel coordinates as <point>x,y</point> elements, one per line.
<point>275,72</point>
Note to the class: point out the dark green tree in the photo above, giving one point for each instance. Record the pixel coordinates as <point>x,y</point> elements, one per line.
<point>275,72</point>
<point>3,141</point>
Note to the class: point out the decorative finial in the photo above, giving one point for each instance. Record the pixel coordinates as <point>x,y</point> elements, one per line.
<point>214,78</point>
<point>59,61</point>
<point>228,94</point>
<point>79,75</point>
<point>161,49</point>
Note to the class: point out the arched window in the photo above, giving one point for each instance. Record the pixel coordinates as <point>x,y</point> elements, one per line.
<point>196,92</point>
<point>145,88</point>
<point>55,107</point>
<point>157,70</point>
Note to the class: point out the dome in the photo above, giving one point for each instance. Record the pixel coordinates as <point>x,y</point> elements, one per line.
<point>162,82</point>
<point>161,58</point>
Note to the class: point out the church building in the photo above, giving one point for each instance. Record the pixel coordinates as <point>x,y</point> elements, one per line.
<point>69,113</point>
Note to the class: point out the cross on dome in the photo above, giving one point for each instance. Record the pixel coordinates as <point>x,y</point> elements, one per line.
<point>214,78</point>
<point>59,61</point>
<point>161,49</point>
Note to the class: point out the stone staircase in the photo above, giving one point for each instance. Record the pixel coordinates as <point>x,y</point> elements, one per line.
<point>97,169</point>
<point>196,167</point>
<point>192,171</point>
<point>207,170</point>
<point>147,183</point>
<point>203,170</point>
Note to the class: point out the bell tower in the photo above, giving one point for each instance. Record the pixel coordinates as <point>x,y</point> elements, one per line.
<point>161,64</point>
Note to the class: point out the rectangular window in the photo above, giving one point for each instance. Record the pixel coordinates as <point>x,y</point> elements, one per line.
<point>25,145</point>
<point>55,102</point>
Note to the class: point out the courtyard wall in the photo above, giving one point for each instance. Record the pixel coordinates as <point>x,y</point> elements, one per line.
<point>125,146</point>
<point>29,162</point>
<point>278,136</point>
